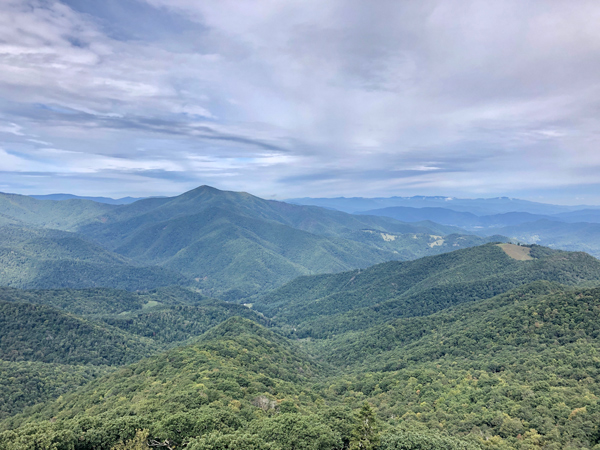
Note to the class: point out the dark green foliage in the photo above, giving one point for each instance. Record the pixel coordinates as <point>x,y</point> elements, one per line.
<point>184,393</point>
<point>402,440</point>
<point>466,350</point>
<point>322,305</point>
<point>40,258</point>
<point>25,384</point>
<point>174,324</point>
<point>365,434</point>
<point>103,302</point>
<point>40,333</point>
<point>78,301</point>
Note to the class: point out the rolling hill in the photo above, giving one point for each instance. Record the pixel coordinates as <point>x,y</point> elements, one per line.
<point>43,258</point>
<point>41,333</point>
<point>323,305</point>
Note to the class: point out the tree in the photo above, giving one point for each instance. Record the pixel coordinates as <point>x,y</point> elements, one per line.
<point>365,435</point>
<point>139,442</point>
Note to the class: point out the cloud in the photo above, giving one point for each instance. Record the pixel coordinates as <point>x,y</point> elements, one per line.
<point>301,97</point>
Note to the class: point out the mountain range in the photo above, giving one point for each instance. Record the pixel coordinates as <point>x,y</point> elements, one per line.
<point>225,243</point>
<point>217,320</point>
<point>477,206</point>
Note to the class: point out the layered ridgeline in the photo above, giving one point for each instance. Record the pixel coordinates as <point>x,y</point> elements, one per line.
<point>322,305</point>
<point>65,215</point>
<point>509,362</point>
<point>574,230</point>
<point>238,244</point>
<point>54,340</point>
<point>226,243</point>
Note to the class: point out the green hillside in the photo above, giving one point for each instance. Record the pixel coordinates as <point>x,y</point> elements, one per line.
<point>41,258</point>
<point>199,397</point>
<point>103,301</point>
<point>322,305</point>
<point>517,371</point>
<point>40,333</point>
<point>175,324</point>
<point>164,316</point>
<point>522,366</point>
<point>182,393</point>
<point>63,215</point>
<point>26,383</point>
<point>39,343</point>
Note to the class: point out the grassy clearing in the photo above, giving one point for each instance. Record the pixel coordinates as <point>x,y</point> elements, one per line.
<point>517,252</point>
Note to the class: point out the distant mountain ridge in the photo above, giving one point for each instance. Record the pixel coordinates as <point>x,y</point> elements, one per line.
<point>107,200</point>
<point>477,206</point>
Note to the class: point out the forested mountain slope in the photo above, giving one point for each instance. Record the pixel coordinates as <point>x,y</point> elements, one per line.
<point>321,305</point>
<point>63,215</point>
<point>230,244</point>
<point>42,258</point>
<point>240,387</point>
<point>41,333</point>
<point>45,351</point>
<point>516,371</point>
<point>235,244</point>
<point>521,366</point>
<point>184,392</point>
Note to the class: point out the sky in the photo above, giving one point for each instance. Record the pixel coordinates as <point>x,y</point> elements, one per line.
<point>302,98</point>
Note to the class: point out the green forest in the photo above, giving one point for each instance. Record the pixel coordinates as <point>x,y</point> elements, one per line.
<point>203,322</point>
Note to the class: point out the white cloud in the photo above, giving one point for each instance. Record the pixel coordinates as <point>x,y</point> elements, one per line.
<point>333,97</point>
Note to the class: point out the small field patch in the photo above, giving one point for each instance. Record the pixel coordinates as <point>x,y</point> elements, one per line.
<point>517,252</point>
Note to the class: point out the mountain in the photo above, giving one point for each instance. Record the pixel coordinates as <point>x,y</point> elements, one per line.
<point>323,305</point>
<point>574,231</point>
<point>43,258</point>
<point>107,200</point>
<point>583,215</point>
<point>464,220</point>
<point>63,215</point>
<point>479,206</point>
<point>229,244</point>
<point>235,245</point>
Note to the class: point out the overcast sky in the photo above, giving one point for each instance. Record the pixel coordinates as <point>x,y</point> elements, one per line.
<point>285,98</point>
